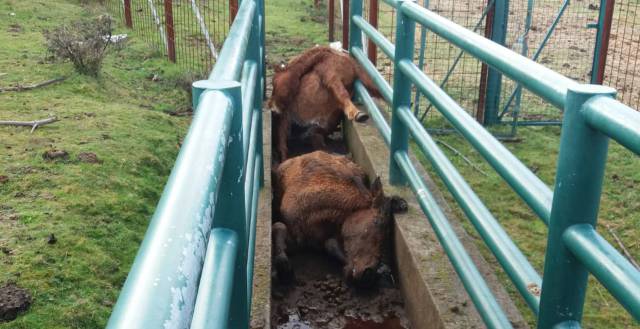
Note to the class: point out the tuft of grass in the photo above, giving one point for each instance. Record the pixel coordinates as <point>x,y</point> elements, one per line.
<point>97,212</point>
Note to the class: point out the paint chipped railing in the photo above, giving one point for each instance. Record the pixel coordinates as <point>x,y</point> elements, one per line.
<point>591,117</point>
<point>195,265</point>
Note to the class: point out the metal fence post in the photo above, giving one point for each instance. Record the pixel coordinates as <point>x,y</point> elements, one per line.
<point>355,34</point>
<point>581,163</point>
<point>127,14</point>
<point>605,19</point>
<point>372,48</point>
<point>346,19</point>
<point>171,37</point>
<point>230,208</point>
<point>494,77</point>
<point>405,33</point>
<point>482,90</point>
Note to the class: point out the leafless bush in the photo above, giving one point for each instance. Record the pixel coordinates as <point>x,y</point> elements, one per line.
<point>83,42</point>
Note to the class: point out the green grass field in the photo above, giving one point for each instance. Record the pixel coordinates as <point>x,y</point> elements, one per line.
<point>97,212</point>
<point>538,149</point>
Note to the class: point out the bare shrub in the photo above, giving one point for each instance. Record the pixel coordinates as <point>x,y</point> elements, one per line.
<point>83,42</point>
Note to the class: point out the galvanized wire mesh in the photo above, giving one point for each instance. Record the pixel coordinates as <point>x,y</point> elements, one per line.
<point>200,27</point>
<point>623,69</point>
<point>569,50</point>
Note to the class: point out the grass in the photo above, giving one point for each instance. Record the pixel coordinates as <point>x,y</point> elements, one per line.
<point>97,212</point>
<point>538,149</point>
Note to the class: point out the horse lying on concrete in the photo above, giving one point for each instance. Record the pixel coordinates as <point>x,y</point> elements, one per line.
<point>314,91</point>
<point>325,203</point>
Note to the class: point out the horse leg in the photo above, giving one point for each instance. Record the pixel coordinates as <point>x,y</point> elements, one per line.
<point>281,261</point>
<point>282,136</point>
<point>335,85</point>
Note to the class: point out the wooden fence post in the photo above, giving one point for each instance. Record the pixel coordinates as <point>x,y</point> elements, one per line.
<point>168,20</point>
<point>233,10</point>
<point>127,14</point>
<point>332,18</point>
<point>345,24</point>
<point>372,49</point>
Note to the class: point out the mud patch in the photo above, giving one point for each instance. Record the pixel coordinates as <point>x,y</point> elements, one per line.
<point>13,301</point>
<point>320,298</point>
<point>51,155</point>
<point>88,157</point>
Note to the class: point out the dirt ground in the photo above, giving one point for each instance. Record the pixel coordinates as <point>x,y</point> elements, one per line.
<point>320,298</point>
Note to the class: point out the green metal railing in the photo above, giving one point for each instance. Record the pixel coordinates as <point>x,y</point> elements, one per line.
<point>591,117</point>
<point>195,265</point>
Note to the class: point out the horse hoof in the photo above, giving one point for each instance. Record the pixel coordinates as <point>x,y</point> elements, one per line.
<point>362,117</point>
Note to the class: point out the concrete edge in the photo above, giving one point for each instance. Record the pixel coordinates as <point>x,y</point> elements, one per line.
<point>434,295</point>
<point>261,299</point>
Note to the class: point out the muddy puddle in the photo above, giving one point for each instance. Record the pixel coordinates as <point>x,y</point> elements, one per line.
<point>319,298</point>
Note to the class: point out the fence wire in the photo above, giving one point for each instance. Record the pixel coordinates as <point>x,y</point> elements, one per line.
<point>622,70</point>
<point>568,50</point>
<point>199,26</point>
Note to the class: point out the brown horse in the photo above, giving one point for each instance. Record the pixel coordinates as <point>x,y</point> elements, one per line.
<point>314,92</point>
<point>324,203</point>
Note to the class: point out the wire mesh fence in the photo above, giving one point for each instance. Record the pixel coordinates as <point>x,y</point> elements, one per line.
<point>188,32</point>
<point>558,34</point>
<point>623,69</point>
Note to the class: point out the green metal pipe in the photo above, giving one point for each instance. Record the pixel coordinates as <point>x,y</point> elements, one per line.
<point>249,83</point>
<point>615,120</point>
<point>378,79</point>
<point>161,286</point>
<point>374,35</point>
<point>250,162</point>
<point>230,206</point>
<point>252,225</point>
<point>542,81</point>
<point>374,112</point>
<point>405,35</point>
<point>579,175</point>
<point>498,34</point>
<point>232,55</point>
<point>472,280</point>
<point>515,264</point>
<point>355,34</point>
<point>212,306</point>
<point>610,268</point>
<point>530,188</point>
